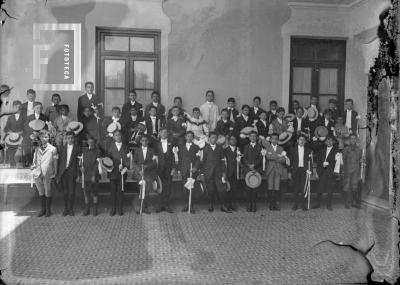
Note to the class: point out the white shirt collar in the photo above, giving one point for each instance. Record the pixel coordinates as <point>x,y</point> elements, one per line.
<point>175,118</point>
<point>155,104</point>
<point>133,103</point>
<point>279,120</point>
<point>89,95</point>
<point>153,117</point>
<point>118,143</point>
<point>245,116</point>
<point>253,144</point>
<point>233,148</point>
<point>37,116</point>
<point>70,145</point>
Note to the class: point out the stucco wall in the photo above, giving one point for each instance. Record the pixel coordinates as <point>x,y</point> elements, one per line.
<point>238,48</point>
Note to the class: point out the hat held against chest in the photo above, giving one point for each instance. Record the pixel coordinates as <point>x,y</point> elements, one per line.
<point>312,114</point>
<point>113,127</point>
<point>37,125</point>
<point>284,137</point>
<point>13,139</point>
<point>75,127</point>
<point>321,133</point>
<point>107,164</point>
<point>253,179</point>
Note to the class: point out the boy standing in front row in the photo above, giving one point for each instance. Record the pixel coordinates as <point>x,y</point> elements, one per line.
<point>252,160</point>
<point>44,169</point>
<point>90,170</point>
<point>352,155</point>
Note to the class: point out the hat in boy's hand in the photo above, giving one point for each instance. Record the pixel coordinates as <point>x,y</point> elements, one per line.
<point>36,125</point>
<point>107,164</point>
<point>75,127</point>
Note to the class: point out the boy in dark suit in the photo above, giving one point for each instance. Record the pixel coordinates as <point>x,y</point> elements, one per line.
<point>271,114</point>
<point>232,156</point>
<point>146,157</point>
<point>68,172</point>
<point>325,169</point>
<point>225,126</point>
<point>88,100</point>
<point>91,124</point>
<point>252,160</point>
<point>90,156</point>
<point>244,120</point>
<point>160,109</point>
<point>300,124</point>
<point>256,110</point>
<point>213,169</point>
<point>132,103</point>
<point>262,125</point>
<point>52,111</point>
<point>130,124</point>
<point>165,165</point>
<point>27,107</point>
<point>176,128</point>
<point>177,103</point>
<point>232,112</point>
<point>118,152</point>
<point>300,155</point>
<point>188,154</point>
<point>153,123</point>
<point>14,124</point>
<point>327,121</point>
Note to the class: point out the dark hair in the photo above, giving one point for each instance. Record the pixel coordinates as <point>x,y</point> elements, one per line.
<point>328,111</point>
<point>299,108</point>
<point>70,133</point>
<point>132,91</point>
<point>37,103</point>
<point>89,82</point>
<point>155,92</point>
<point>178,98</point>
<point>296,101</point>
<point>31,91</point>
<point>195,109</point>
<point>233,137</point>
<point>231,99</point>
<point>273,102</point>
<point>189,132</point>
<point>89,137</point>
<point>245,106</point>
<point>349,100</point>
<point>253,132</point>
<point>280,109</point>
<point>64,106</point>
<point>133,107</point>
<point>16,102</point>
<point>314,96</point>
<point>257,98</point>
<point>116,108</point>
<point>263,112</point>
<point>55,95</point>
<point>224,110</point>
<point>152,107</point>
<point>334,101</point>
<point>117,131</point>
<point>210,91</point>
<point>274,135</point>
<point>302,136</point>
<point>163,129</point>
<point>212,134</point>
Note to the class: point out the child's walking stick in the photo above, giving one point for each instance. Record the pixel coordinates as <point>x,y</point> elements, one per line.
<point>122,178</point>
<point>83,173</point>
<point>190,189</point>
<point>142,191</point>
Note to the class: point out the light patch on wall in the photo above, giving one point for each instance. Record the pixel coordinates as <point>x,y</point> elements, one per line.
<point>57,57</point>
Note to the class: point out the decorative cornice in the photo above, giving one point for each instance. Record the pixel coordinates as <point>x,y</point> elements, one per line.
<point>297,4</point>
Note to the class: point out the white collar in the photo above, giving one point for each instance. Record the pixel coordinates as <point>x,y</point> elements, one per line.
<point>233,148</point>
<point>245,116</point>
<point>223,120</point>
<point>70,145</point>
<point>329,147</point>
<point>280,120</point>
<point>153,117</point>
<point>133,102</point>
<point>155,103</point>
<point>253,144</point>
<point>164,140</point>
<point>273,111</point>
<point>144,147</point>
<point>175,118</point>
<point>300,146</point>
<point>213,145</point>
<point>188,144</point>
<point>118,143</point>
<point>349,111</point>
<point>255,108</point>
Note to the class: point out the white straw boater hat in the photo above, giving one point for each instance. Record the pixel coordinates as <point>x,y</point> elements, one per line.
<point>247,130</point>
<point>253,179</point>
<point>36,125</point>
<point>13,139</point>
<point>113,127</point>
<point>107,164</point>
<point>284,137</point>
<point>321,132</point>
<point>75,127</point>
<point>290,117</point>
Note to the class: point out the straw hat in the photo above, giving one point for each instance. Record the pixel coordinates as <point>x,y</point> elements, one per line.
<point>247,130</point>
<point>75,127</point>
<point>321,132</point>
<point>290,117</point>
<point>13,139</point>
<point>107,164</point>
<point>312,114</point>
<point>284,137</point>
<point>253,179</point>
<point>113,127</point>
<point>36,125</point>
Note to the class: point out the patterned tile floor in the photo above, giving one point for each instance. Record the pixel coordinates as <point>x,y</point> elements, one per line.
<point>204,248</point>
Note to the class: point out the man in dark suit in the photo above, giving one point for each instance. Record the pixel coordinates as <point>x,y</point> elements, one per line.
<point>68,172</point>
<point>176,128</point>
<point>118,152</point>
<point>299,156</point>
<point>27,107</point>
<point>256,110</point>
<point>232,154</point>
<point>146,157</point>
<point>232,112</point>
<point>165,156</point>
<point>350,116</point>
<point>132,103</point>
<point>244,120</point>
<point>224,125</point>
<point>153,123</point>
<point>325,170</point>
<point>89,99</point>
<point>188,158</point>
<point>212,167</point>
<point>262,125</point>
<point>272,113</point>
<point>327,121</point>
<point>300,124</point>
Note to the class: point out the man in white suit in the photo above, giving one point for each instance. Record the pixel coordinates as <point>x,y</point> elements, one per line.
<point>209,111</point>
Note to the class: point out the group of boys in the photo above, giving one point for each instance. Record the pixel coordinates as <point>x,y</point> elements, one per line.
<point>216,149</point>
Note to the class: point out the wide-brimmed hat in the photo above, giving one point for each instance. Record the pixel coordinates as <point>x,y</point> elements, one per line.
<point>157,185</point>
<point>253,179</point>
<point>75,127</point>
<point>36,125</point>
<point>290,117</point>
<point>113,127</point>
<point>312,114</point>
<point>247,130</point>
<point>200,143</point>
<point>227,186</point>
<point>107,164</point>
<point>321,132</point>
<point>13,139</point>
<point>284,137</point>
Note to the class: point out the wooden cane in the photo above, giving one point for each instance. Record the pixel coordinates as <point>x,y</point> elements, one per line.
<point>83,174</point>
<point>122,178</point>
<point>190,190</point>
<point>309,186</point>
<point>142,193</point>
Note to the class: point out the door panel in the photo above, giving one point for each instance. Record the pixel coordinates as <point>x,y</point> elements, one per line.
<point>328,81</point>
<point>115,72</point>
<point>302,79</point>
<point>143,74</point>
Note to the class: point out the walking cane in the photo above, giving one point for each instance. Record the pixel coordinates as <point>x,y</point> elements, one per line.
<point>142,191</point>
<point>190,189</point>
<point>83,174</point>
<point>309,186</point>
<point>122,178</point>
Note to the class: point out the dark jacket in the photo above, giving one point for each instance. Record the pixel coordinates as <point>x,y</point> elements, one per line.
<point>116,156</point>
<point>224,128</point>
<point>126,109</point>
<point>254,116</point>
<point>231,163</point>
<point>330,159</point>
<point>213,164</point>
<point>232,113</point>
<point>73,161</point>
<point>252,155</point>
<point>353,120</point>
<point>165,160</point>
<point>14,125</point>
<point>83,102</point>
<point>186,158</point>
<point>294,158</point>
<point>148,162</point>
<point>90,163</point>
<point>262,129</point>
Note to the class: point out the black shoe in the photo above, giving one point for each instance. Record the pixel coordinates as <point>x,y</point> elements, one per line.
<point>294,208</point>
<point>65,212</point>
<point>112,212</point>
<point>254,208</point>
<point>87,211</point>
<point>329,207</point>
<point>233,208</point>
<point>120,212</point>
<point>160,209</point>
<point>277,207</point>
<point>211,209</point>
<point>317,206</point>
<point>185,209</point>
<point>225,209</point>
<point>48,206</point>
<point>271,207</point>
<point>146,211</point>
<point>249,208</point>
<point>304,208</point>
<point>71,213</point>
